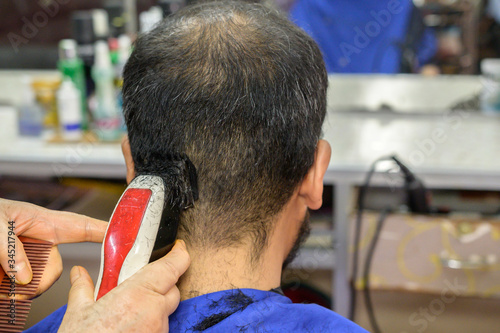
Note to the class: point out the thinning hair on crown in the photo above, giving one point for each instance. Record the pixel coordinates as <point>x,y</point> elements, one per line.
<point>242,92</point>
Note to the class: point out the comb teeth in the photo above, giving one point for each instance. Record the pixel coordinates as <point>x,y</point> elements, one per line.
<point>14,312</point>
<point>13,321</point>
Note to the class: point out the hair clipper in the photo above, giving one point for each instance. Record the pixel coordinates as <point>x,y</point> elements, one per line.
<point>140,230</point>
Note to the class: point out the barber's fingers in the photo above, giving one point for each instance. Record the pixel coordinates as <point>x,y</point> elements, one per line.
<point>13,259</point>
<point>64,227</point>
<point>81,294</point>
<point>54,226</point>
<point>159,277</point>
<point>162,275</point>
<point>73,228</point>
<point>52,271</point>
<point>172,300</point>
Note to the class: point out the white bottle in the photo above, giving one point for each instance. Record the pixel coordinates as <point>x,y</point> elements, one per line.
<point>69,111</point>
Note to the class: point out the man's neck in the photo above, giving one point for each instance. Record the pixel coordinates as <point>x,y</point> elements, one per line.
<point>225,269</point>
<point>232,268</point>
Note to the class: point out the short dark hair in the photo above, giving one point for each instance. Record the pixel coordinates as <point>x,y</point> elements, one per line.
<point>240,90</point>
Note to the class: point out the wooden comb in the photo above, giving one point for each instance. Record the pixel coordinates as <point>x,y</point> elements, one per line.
<point>14,312</point>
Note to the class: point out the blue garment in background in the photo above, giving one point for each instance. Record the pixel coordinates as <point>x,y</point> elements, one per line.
<point>240,310</point>
<point>361,36</point>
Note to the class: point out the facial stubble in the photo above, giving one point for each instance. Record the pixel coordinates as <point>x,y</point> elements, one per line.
<point>304,231</point>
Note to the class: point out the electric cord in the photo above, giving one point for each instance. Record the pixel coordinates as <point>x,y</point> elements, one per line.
<point>366,270</point>
<point>417,201</point>
<point>357,231</point>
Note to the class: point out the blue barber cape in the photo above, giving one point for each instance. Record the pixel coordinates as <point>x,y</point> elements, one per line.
<point>240,310</point>
<point>362,36</point>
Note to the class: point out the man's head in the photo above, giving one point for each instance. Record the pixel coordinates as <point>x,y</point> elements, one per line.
<point>242,92</point>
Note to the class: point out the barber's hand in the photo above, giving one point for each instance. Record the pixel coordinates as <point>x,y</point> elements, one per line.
<point>40,223</point>
<point>142,303</point>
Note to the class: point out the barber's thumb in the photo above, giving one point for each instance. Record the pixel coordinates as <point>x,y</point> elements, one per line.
<point>81,293</point>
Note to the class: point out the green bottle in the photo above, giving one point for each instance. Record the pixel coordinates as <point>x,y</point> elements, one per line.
<point>71,67</point>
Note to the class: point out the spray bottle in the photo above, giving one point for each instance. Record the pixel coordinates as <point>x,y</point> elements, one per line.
<point>106,115</point>
<point>71,66</point>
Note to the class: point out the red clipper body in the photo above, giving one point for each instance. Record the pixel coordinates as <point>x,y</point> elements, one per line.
<point>133,232</point>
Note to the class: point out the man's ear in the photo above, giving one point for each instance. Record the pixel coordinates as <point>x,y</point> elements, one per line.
<point>311,189</point>
<point>129,162</point>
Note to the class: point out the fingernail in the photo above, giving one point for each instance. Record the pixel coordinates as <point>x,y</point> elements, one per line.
<point>74,274</point>
<point>23,275</point>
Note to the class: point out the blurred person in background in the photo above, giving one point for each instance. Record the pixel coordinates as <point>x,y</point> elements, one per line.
<point>370,36</point>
